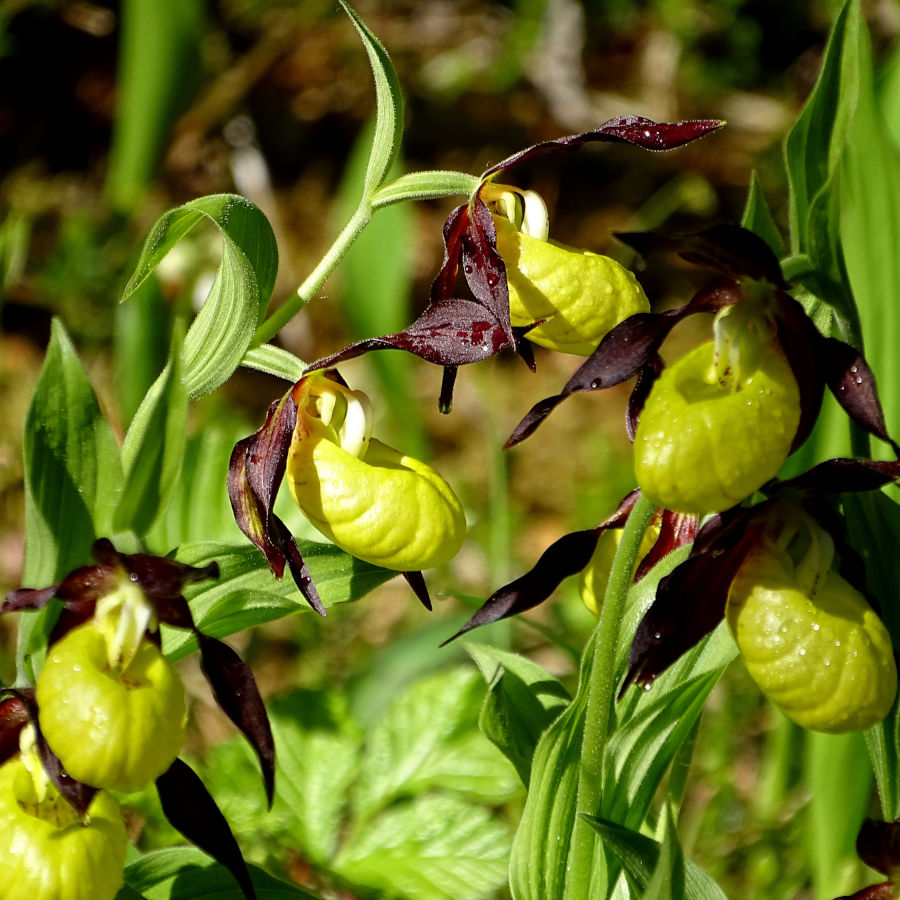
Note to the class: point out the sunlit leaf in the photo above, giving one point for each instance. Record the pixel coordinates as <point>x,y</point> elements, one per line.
<point>223,329</point>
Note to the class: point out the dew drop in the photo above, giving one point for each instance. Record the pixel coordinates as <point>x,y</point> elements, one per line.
<point>645,687</point>
<point>492,278</point>
<point>837,643</point>
<point>595,384</point>
<point>803,651</point>
<point>815,626</point>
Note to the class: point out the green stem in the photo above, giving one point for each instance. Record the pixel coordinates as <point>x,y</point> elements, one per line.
<point>602,687</point>
<point>352,230</point>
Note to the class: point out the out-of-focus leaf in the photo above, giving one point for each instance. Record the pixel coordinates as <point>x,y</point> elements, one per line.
<point>813,152</point>
<point>389,113</point>
<point>154,447</point>
<point>413,748</point>
<point>247,594</point>
<point>223,329</point>
<point>870,235</point>
<point>522,700</point>
<point>435,847</point>
<point>640,855</point>
<point>318,750</point>
<point>184,873</point>
<point>158,70</point>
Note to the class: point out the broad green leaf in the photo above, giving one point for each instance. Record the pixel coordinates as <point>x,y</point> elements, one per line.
<point>158,72</point>
<point>667,881</point>
<point>873,526</point>
<point>154,447</point>
<point>640,855</point>
<point>184,873</point>
<point>72,472</point>
<point>318,750</point>
<point>813,152</point>
<point>247,594</point>
<point>870,235</point>
<point>523,699</point>
<point>435,847</point>
<point>274,361</point>
<point>389,112</point>
<point>426,186</point>
<point>426,739</point>
<point>758,217</point>
<point>223,329</point>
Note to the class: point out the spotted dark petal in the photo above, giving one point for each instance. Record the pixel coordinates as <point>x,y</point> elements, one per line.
<point>566,556</point>
<point>703,581</point>
<point>625,351</point>
<point>256,470</point>
<point>190,808</point>
<point>236,693</point>
<point>635,130</point>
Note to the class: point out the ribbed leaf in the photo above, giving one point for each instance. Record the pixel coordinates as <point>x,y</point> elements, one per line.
<point>221,333</point>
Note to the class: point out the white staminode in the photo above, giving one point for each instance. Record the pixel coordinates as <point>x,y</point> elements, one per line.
<point>356,429</point>
<point>124,615</point>
<point>525,209</point>
<point>32,762</point>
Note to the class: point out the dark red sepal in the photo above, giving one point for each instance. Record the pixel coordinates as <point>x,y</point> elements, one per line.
<point>236,692</point>
<point>881,891</point>
<point>417,582</point>
<point>853,384</point>
<point>190,809</point>
<point>635,130</point>
<point>14,717</point>
<point>28,598</point>
<point>566,556</point>
<point>255,472</point>
<point>675,530</point>
<point>702,581</point>
<point>839,476</point>
<point>728,249</point>
<point>878,845</point>
<point>625,351</point>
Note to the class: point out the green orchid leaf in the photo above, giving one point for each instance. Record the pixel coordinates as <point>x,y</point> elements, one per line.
<point>435,847</point>
<point>426,186</point>
<point>222,331</point>
<point>758,217</point>
<point>411,750</point>
<point>870,234</point>
<point>640,856</point>
<point>523,699</point>
<point>73,476</point>
<point>184,873</point>
<point>154,447</point>
<point>247,594</point>
<point>813,152</point>
<point>667,881</point>
<point>389,100</point>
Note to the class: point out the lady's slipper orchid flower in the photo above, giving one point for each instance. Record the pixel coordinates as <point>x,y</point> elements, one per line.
<point>51,850</point>
<point>111,706</point>
<point>454,331</point>
<point>732,566</point>
<point>370,500</point>
<point>566,299</point>
<point>718,424</point>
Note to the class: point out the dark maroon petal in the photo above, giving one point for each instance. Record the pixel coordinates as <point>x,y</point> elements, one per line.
<point>566,556</point>
<point>448,382</point>
<point>191,810</point>
<point>882,891</point>
<point>800,340</point>
<point>236,692</point>
<point>157,576</point>
<point>444,285</point>
<point>483,267</point>
<point>14,716</point>
<point>690,600</point>
<point>255,472</point>
<point>843,475</point>
<point>636,130</point>
<point>626,350</point>
<point>645,381</point>
<point>878,845</point>
<point>727,249</point>
<point>853,384</point>
<point>28,598</point>
<point>417,582</point>
<point>675,530</point>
